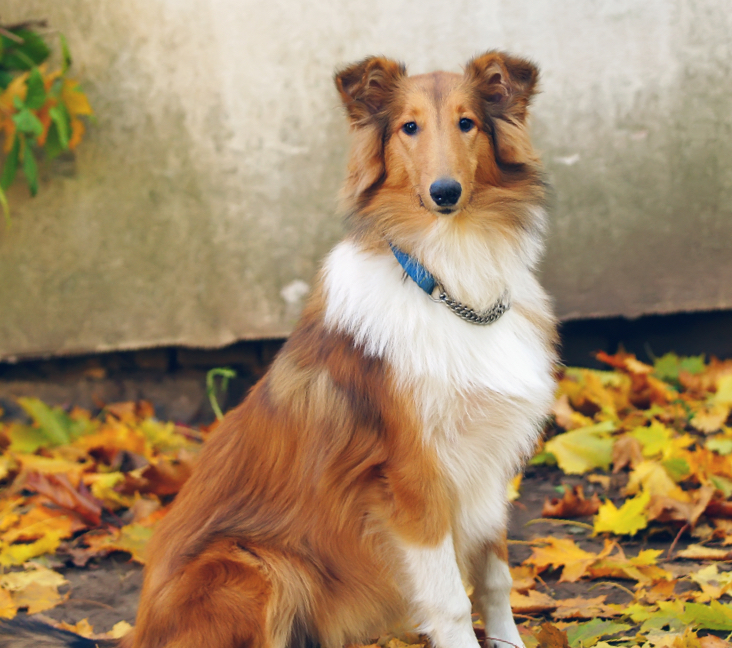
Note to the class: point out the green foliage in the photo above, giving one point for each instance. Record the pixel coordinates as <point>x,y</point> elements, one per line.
<point>225,373</point>
<point>40,110</point>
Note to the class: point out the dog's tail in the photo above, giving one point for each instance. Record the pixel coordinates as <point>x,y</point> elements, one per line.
<point>24,632</point>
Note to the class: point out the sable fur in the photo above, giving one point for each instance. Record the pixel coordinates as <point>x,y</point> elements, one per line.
<point>371,460</point>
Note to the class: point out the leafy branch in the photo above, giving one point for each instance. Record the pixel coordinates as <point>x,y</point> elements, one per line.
<point>40,109</point>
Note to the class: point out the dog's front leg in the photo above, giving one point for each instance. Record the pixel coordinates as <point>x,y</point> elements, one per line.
<point>492,581</point>
<point>439,602</point>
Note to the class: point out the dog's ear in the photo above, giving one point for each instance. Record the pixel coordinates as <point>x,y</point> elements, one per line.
<point>505,83</point>
<point>366,87</point>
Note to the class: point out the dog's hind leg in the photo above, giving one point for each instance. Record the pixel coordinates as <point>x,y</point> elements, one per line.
<point>439,602</point>
<point>225,597</point>
<point>492,582</point>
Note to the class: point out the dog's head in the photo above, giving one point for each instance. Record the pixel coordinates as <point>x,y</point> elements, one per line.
<point>441,143</point>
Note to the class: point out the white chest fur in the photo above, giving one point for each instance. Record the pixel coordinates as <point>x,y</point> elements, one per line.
<point>482,391</point>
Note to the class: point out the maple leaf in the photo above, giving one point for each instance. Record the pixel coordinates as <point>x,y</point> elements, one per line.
<point>532,602</point>
<point>583,608</point>
<point>35,589</point>
<point>572,504</point>
<point>713,583</point>
<point>714,616</point>
<point>626,520</point>
<point>561,552</point>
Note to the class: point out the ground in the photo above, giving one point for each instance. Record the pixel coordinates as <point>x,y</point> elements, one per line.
<point>620,532</point>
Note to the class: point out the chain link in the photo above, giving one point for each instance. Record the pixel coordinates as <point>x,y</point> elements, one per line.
<point>469,315</point>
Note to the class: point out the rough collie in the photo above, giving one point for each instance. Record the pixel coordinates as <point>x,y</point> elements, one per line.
<point>363,480</point>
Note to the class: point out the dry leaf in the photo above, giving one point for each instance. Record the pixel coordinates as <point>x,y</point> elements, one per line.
<point>573,504</point>
<point>531,603</point>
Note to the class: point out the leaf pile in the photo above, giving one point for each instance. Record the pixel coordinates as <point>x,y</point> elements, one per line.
<point>646,451</point>
<point>80,487</point>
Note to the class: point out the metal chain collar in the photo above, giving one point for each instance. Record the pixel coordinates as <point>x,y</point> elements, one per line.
<point>502,304</point>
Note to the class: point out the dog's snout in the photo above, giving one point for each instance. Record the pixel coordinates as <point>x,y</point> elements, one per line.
<point>445,192</point>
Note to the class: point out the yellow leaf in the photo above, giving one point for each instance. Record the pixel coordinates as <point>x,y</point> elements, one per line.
<point>35,589</point>
<point>132,538</point>
<point>75,100</point>
<point>513,488</point>
<point>17,554</point>
<point>653,439</point>
<point>626,520</point>
<point>119,630</point>
<point>583,449</point>
<point>564,553</point>
<point>700,552</point>
<point>531,603</point>
<point>8,609</point>
<point>652,477</point>
<point>724,390</point>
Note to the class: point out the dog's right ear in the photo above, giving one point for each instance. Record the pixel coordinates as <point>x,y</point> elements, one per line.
<point>366,87</point>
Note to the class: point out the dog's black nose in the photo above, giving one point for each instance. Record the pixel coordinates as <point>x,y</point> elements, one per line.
<point>445,192</point>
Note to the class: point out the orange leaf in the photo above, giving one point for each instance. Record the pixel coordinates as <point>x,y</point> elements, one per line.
<point>59,489</point>
<point>573,504</point>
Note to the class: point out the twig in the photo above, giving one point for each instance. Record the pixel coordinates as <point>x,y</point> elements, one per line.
<point>558,522</point>
<point>676,539</point>
<point>618,585</point>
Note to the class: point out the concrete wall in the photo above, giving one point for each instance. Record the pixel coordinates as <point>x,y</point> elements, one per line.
<point>198,208</point>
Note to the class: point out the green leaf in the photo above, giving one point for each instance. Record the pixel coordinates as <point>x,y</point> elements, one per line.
<point>714,616</point>
<point>720,444</point>
<point>23,56</point>
<point>53,422</point>
<point>27,439</point>
<point>669,616</point>
<point>5,208</point>
<point>53,147</point>
<point>543,458</point>
<point>5,79</point>
<point>583,449</point>
<point>653,439</point>
<point>60,117</point>
<point>11,164</point>
<point>30,169</point>
<point>722,484</point>
<point>677,468</point>
<point>36,95</point>
<point>666,367</point>
<point>587,634</point>
<point>692,364</point>
<point>65,54</point>
<point>27,122</point>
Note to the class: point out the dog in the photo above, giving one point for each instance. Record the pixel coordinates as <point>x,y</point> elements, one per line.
<point>364,479</point>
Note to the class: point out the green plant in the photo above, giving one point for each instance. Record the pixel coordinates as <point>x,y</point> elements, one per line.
<point>225,373</point>
<point>40,109</point>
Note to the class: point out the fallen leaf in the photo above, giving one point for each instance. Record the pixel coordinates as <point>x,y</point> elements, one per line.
<point>59,489</point>
<point>560,552</point>
<point>549,636</point>
<point>699,552</point>
<point>627,451</point>
<point>626,520</point>
<point>583,449</point>
<point>531,603</point>
<point>573,504</point>
<point>35,589</point>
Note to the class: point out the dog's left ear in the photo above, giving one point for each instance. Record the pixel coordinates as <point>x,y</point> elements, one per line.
<point>506,83</point>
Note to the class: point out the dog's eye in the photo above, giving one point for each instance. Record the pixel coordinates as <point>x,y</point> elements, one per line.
<point>466,124</point>
<point>410,128</point>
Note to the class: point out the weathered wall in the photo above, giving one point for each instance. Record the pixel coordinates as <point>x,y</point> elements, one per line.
<point>198,208</point>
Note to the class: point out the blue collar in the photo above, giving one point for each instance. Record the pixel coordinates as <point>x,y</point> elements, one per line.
<point>417,272</point>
